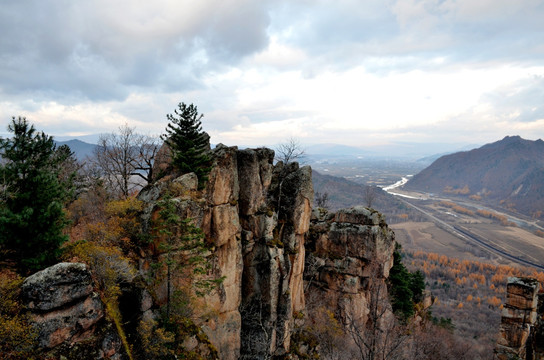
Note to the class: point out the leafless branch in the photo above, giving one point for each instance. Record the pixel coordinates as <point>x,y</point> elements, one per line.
<point>290,151</point>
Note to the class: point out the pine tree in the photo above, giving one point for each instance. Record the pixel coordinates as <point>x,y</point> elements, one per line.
<point>406,288</point>
<point>33,193</point>
<point>188,143</point>
<point>399,287</point>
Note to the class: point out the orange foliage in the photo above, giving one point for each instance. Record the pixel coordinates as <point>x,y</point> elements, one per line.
<point>494,216</point>
<point>465,285</point>
<point>478,278</point>
<point>456,208</point>
<point>114,223</point>
<point>494,301</point>
<point>458,191</point>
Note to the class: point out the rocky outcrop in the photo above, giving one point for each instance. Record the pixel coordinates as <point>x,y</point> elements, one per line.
<point>518,321</point>
<point>275,206</point>
<point>278,261</point>
<point>349,257</point>
<point>67,312</point>
<point>255,215</point>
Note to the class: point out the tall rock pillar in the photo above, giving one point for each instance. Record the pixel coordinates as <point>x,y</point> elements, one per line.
<point>519,316</point>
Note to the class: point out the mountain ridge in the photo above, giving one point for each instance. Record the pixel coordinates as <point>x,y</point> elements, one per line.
<point>507,173</point>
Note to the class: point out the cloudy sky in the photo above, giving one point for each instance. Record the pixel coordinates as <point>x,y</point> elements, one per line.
<point>350,72</point>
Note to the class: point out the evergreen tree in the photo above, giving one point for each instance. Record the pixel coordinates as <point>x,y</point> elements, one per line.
<point>399,287</point>
<point>406,288</point>
<point>417,285</point>
<point>188,143</point>
<point>33,193</point>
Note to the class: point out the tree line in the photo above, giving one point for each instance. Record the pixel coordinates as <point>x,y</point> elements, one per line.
<point>54,208</point>
<point>39,181</point>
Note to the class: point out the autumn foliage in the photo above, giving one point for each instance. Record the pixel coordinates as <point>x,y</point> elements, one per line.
<point>456,208</point>
<point>457,191</point>
<point>470,293</point>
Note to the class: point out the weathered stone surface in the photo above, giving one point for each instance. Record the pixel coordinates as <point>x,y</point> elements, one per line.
<point>520,293</point>
<point>223,186</point>
<point>519,316</point>
<point>56,286</point>
<point>72,324</point>
<point>267,244</point>
<point>186,182</point>
<point>254,176</point>
<point>303,200</point>
<point>359,215</point>
<point>64,308</point>
<point>225,224</point>
<point>349,255</point>
<point>162,162</point>
<point>274,232</point>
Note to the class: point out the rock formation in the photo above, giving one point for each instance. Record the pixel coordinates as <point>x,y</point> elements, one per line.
<point>520,332</point>
<point>348,252</point>
<point>349,255</point>
<point>256,215</point>
<point>67,312</point>
<point>273,253</point>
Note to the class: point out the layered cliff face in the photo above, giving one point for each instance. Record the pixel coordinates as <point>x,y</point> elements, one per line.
<point>521,331</point>
<point>274,255</point>
<point>349,255</point>
<point>255,215</point>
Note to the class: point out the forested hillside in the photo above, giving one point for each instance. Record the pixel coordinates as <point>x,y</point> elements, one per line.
<point>468,295</point>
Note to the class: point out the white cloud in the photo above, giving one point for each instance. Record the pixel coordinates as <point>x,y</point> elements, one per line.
<point>344,71</point>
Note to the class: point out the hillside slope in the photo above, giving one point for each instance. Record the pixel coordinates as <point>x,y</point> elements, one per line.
<point>509,173</point>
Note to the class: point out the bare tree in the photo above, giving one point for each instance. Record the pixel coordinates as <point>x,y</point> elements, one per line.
<point>257,330</point>
<point>369,195</point>
<point>380,336</point>
<point>290,151</point>
<point>124,157</point>
<point>429,341</point>
<point>147,154</point>
<point>322,199</point>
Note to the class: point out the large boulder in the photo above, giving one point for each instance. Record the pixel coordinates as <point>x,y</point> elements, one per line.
<point>63,306</point>
<point>56,286</point>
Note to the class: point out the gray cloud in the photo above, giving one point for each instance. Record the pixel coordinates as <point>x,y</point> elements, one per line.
<point>93,50</point>
<point>354,33</point>
<point>125,62</point>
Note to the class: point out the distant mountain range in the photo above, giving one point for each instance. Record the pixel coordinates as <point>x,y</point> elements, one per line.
<point>421,152</point>
<point>80,148</point>
<point>508,173</point>
<point>343,193</point>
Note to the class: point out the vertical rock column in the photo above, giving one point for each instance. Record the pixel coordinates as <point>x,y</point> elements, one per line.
<point>518,317</point>
<point>349,255</point>
<point>275,208</point>
<point>222,228</point>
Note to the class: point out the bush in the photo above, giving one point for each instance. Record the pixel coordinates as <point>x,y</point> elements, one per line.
<point>18,339</point>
